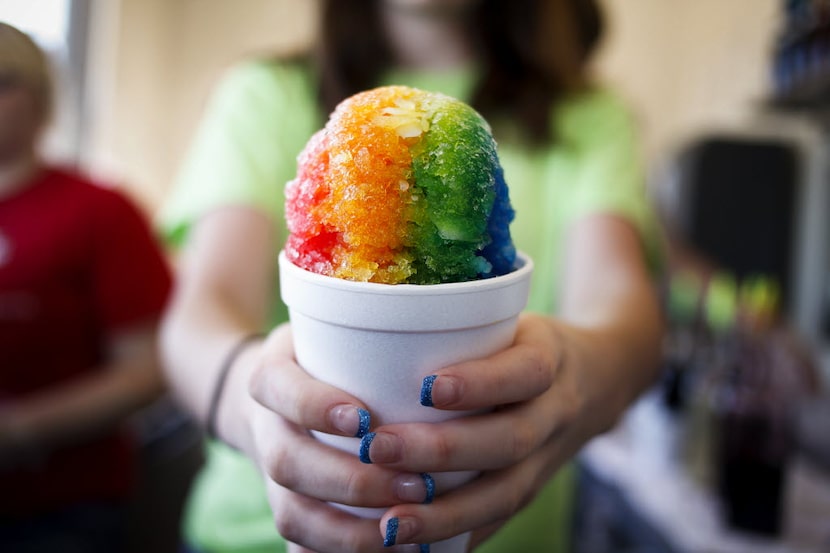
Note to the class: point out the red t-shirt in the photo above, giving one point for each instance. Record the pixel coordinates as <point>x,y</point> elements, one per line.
<point>78,263</point>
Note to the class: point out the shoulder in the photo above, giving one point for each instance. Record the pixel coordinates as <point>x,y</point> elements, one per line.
<point>67,180</point>
<point>595,114</point>
<point>69,184</point>
<point>267,80</point>
<point>261,101</point>
<point>599,96</point>
<point>595,101</point>
<point>95,190</point>
<point>98,203</point>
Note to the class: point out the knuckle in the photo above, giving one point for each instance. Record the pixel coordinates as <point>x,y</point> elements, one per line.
<point>355,484</point>
<point>351,543</point>
<point>541,366</point>
<point>279,468</point>
<point>287,526</point>
<point>276,341</point>
<point>503,509</point>
<point>522,441</point>
<point>452,522</point>
<point>546,363</point>
<point>520,500</point>
<point>512,503</point>
<point>257,383</point>
<point>568,411</point>
<point>548,369</point>
<point>525,499</point>
<point>265,388</point>
<point>535,359</point>
<point>302,402</point>
<point>443,448</point>
<point>571,408</point>
<point>517,499</point>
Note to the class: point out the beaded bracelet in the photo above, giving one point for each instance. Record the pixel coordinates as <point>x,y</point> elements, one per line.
<point>227,363</point>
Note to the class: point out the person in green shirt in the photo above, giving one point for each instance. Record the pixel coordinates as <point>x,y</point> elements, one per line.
<point>585,348</point>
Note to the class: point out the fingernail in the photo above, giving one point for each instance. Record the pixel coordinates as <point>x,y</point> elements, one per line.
<point>365,444</point>
<point>365,422</point>
<point>426,390</point>
<point>424,548</point>
<point>391,532</point>
<point>429,484</point>
<point>439,391</point>
<point>350,420</point>
<point>399,530</point>
<point>385,448</point>
<point>415,488</point>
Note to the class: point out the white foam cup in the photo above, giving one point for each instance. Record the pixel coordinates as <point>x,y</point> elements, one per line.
<point>379,341</point>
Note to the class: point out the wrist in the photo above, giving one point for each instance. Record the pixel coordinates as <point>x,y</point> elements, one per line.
<point>607,389</point>
<point>234,403</point>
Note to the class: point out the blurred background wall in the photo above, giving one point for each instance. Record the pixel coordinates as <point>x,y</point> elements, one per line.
<point>688,65</point>
<point>153,65</point>
<point>682,65</point>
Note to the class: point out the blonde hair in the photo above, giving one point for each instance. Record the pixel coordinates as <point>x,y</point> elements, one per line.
<point>23,60</point>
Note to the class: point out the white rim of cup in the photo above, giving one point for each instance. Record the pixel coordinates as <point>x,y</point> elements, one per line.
<point>383,306</point>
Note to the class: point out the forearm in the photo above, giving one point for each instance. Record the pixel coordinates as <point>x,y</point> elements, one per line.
<point>197,340</point>
<point>610,313</point>
<point>84,407</point>
<point>224,294</point>
<point>619,365</point>
<point>199,331</point>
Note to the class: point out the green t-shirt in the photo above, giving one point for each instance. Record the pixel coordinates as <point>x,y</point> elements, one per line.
<point>245,151</point>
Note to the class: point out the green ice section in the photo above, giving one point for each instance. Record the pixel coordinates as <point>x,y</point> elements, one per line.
<point>453,195</point>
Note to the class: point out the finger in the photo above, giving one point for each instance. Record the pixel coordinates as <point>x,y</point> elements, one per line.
<point>516,374</point>
<point>484,503</point>
<point>488,501</point>
<point>282,386</point>
<point>304,465</point>
<point>481,442</point>
<point>321,528</point>
<point>519,373</point>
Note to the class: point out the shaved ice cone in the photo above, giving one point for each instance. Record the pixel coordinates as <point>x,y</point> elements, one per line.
<point>400,261</point>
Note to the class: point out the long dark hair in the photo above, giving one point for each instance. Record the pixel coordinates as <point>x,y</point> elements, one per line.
<point>532,52</point>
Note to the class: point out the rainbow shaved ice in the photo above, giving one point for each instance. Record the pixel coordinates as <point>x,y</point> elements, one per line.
<point>401,186</point>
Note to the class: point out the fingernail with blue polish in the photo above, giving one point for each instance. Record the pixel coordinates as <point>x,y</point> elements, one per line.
<point>429,484</point>
<point>391,532</point>
<point>365,422</point>
<point>424,548</point>
<point>365,444</point>
<point>426,390</point>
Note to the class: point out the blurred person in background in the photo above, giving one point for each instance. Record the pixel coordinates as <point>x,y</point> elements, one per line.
<point>569,152</point>
<point>82,287</point>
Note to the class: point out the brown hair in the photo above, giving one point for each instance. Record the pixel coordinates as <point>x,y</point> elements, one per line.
<point>22,60</point>
<point>532,52</point>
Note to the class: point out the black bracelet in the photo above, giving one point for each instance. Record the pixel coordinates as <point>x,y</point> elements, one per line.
<point>227,363</point>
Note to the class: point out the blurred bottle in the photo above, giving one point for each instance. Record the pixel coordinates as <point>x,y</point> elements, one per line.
<point>757,382</point>
<point>681,340</point>
<point>720,316</point>
<point>714,350</point>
